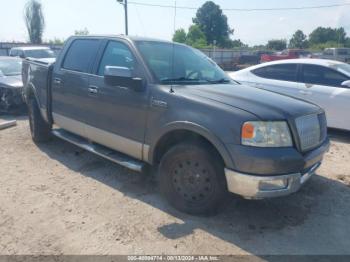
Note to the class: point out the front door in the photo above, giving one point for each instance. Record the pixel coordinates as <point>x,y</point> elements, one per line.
<point>117,114</point>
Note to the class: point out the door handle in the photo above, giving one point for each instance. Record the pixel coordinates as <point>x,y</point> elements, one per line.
<point>305,92</point>
<point>57,81</point>
<point>93,89</point>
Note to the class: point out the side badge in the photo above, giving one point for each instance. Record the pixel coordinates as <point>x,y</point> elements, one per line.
<point>159,103</point>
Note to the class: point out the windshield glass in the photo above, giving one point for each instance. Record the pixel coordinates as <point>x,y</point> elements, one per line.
<point>345,68</point>
<point>40,53</point>
<point>180,64</point>
<point>343,51</point>
<point>9,67</point>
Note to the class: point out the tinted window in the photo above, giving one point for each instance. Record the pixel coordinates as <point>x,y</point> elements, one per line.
<point>319,75</point>
<point>343,52</point>
<point>328,52</point>
<point>286,72</point>
<point>13,53</point>
<point>116,54</point>
<point>80,55</point>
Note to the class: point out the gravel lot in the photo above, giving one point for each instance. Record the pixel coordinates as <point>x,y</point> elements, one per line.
<point>58,199</point>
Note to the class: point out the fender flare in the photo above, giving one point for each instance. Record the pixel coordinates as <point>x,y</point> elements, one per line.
<point>195,128</point>
<point>30,89</point>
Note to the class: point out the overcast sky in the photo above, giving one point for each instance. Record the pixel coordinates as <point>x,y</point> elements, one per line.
<point>63,17</point>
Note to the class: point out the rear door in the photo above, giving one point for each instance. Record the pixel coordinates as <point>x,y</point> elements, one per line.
<point>117,114</point>
<point>70,86</point>
<point>280,78</point>
<point>322,86</point>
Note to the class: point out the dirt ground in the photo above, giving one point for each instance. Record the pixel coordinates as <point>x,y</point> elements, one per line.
<point>59,199</point>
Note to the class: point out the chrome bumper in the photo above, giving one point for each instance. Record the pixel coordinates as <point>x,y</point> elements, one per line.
<point>259,187</point>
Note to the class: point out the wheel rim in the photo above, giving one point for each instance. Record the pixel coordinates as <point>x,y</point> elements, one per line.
<point>192,180</point>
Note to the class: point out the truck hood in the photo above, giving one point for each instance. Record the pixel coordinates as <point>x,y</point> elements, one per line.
<point>264,104</point>
<point>11,81</point>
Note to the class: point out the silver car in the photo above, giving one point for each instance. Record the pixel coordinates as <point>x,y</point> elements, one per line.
<point>323,82</point>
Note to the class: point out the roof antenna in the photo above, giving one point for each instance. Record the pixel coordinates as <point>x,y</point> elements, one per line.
<point>173,53</point>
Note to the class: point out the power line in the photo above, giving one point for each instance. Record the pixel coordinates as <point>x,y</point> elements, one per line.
<point>247,9</point>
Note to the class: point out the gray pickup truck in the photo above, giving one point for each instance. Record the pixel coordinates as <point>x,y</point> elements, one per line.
<point>141,102</point>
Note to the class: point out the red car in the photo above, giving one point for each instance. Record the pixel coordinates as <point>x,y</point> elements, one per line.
<point>286,54</point>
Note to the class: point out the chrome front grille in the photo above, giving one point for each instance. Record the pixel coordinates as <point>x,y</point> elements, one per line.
<point>312,130</point>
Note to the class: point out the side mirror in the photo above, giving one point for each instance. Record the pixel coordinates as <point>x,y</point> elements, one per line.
<point>346,84</point>
<point>22,56</point>
<point>122,76</point>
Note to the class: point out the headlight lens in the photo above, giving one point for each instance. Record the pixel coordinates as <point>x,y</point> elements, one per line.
<point>266,134</point>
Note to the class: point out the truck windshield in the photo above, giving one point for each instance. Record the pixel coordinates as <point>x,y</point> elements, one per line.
<point>40,53</point>
<point>179,64</point>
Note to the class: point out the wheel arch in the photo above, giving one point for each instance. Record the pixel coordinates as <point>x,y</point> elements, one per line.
<point>178,132</point>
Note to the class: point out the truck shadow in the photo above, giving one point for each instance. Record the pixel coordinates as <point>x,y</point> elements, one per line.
<point>339,135</point>
<point>313,221</point>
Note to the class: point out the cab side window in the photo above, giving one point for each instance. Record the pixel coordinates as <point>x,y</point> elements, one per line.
<point>116,54</point>
<point>319,75</point>
<point>283,72</point>
<point>14,52</point>
<point>81,54</point>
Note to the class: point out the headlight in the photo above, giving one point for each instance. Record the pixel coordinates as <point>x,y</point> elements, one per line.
<point>266,134</point>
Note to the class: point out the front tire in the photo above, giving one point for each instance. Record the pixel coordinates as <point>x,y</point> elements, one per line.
<point>39,128</point>
<point>192,179</point>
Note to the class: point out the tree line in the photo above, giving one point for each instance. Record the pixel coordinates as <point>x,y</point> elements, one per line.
<point>318,39</point>
<point>210,27</point>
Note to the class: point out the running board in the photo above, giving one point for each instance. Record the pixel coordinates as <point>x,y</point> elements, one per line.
<point>112,155</point>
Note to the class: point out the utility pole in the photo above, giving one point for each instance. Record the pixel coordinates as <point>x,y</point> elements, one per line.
<point>125,4</point>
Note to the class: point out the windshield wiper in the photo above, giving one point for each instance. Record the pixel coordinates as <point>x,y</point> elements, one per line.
<point>220,81</point>
<point>182,79</point>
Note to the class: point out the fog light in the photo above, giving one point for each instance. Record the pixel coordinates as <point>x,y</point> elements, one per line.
<point>277,184</point>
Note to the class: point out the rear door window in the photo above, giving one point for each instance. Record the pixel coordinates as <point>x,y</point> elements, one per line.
<point>319,75</point>
<point>14,53</point>
<point>283,72</point>
<point>81,55</point>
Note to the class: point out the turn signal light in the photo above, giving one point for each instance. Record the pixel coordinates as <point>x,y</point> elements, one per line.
<point>247,131</point>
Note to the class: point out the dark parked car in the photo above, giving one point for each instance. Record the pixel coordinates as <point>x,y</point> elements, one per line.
<point>10,84</point>
<point>141,102</point>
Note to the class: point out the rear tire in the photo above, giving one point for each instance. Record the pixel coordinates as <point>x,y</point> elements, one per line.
<point>39,128</point>
<point>191,177</point>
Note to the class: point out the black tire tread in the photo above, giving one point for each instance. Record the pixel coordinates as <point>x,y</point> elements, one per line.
<point>40,129</point>
<point>200,150</point>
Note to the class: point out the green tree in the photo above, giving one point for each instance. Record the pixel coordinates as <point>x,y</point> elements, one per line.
<point>213,23</point>
<point>277,44</point>
<point>34,20</point>
<point>347,42</point>
<point>56,41</point>
<point>237,43</point>
<point>82,32</point>
<point>299,40</point>
<point>196,37</point>
<point>322,35</point>
<point>180,36</point>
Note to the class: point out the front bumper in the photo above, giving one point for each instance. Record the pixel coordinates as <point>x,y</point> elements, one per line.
<point>259,187</point>
<point>10,99</point>
<point>266,173</point>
